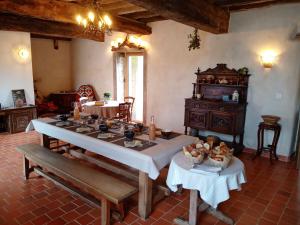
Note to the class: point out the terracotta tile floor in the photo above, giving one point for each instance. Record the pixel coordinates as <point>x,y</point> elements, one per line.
<point>271,196</point>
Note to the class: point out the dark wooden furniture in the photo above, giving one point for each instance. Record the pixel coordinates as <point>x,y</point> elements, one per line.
<point>124,112</point>
<point>131,101</point>
<point>210,112</point>
<point>14,120</point>
<point>260,139</point>
<point>88,179</point>
<point>64,101</point>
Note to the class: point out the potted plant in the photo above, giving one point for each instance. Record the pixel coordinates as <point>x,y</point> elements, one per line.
<point>106,96</point>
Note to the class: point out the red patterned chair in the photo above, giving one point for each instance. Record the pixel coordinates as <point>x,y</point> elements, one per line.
<point>86,91</point>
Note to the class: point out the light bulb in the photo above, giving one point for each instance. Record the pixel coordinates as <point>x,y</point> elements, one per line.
<point>268,58</point>
<point>132,39</point>
<point>91,16</point>
<point>119,40</point>
<point>100,24</point>
<point>23,53</point>
<point>84,23</point>
<point>107,20</point>
<point>78,19</point>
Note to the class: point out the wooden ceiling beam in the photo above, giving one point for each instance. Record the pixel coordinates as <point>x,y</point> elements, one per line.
<point>11,22</point>
<point>152,19</point>
<point>234,5</point>
<point>140,15</point>
<point>65,12</point>
<point>125,10</point>
<point>200,14</point>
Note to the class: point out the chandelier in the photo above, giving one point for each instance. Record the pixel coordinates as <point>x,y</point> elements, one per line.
<point>95,21</point>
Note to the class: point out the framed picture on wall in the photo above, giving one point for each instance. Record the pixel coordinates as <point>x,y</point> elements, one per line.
<point>19,97</point>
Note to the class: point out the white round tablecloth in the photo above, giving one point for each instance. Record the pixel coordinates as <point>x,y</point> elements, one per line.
<point>108,110</point>
<point>213,189</point>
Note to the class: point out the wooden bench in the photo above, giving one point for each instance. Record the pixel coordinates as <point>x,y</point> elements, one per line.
<point>103,187</point>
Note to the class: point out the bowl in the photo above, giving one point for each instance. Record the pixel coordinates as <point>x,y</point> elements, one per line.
<point>166,133</point>
<point>103,128</point>
<point>129,134</point>
<point>139,126</point>
<point>270,119</point>
<point>94,116</point>
<point>63,117</point>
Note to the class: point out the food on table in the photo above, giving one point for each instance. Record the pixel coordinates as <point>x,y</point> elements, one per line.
<point>219,156</point>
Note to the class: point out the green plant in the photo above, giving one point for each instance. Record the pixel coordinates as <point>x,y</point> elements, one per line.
<point>194,42</point>
<point>106,95</point>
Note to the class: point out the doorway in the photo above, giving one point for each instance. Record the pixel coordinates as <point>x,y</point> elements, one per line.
<point>129,80</point>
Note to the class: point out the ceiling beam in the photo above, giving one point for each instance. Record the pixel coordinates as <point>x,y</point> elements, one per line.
<point>200,14</point>
<point>61,11</point>
<point>140,15</point>
<point>234,5</point>
<point>11,22</point>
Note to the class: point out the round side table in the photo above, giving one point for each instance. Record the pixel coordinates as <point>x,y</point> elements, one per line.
<point>260,139</point>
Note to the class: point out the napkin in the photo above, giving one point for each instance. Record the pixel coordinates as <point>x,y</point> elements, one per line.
<point>83,129</point>
<point>207,170</point>
<point>132,144</point>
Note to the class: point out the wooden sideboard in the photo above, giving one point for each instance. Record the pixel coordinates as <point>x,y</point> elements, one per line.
<point>210,112</point>
<point>14,120</point>
<point>64,101</point>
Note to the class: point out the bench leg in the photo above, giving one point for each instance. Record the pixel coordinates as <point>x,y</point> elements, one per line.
<point>26,169</point>
<point>121,210</point>
<point>105,212</point>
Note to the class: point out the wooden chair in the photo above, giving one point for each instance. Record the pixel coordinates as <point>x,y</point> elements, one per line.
<point>124,112</point>
<point>131,100</point>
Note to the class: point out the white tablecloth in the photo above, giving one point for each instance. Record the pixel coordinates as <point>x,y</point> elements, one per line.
<point>213,189</point>
<point>108,110</point>
<point>150,160</point>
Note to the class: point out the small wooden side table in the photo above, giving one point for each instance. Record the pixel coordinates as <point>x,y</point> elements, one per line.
<point>260,139</point>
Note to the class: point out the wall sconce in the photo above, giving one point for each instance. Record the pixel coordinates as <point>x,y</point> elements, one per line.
<point>268,59</point>
<point>22,54</point>
<point>130,42</point>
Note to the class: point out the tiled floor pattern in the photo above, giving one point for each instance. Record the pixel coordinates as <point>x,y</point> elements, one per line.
<point>271,196</point>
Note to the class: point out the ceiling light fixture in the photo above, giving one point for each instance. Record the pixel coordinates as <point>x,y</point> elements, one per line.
<point>95,20</point>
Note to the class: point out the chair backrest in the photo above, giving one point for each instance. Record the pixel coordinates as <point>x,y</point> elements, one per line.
<point>124,111</point>
<point>131,100</point>
<point>86,91</point>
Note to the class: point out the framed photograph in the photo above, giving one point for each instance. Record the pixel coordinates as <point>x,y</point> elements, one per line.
<point>19,97</point>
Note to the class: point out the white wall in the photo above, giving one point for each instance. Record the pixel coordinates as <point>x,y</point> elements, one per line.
<point>171,67</point>
<point>92,63</point>
<point>14,74</point>
<point>51,67</point>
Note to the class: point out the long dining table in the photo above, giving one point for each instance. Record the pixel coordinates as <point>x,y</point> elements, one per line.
<point>148,160</point>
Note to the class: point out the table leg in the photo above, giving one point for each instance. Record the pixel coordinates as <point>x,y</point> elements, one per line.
<point>45,141</point>
<point>193,207</point>
<point>192,211</point>
<point>145,195</point>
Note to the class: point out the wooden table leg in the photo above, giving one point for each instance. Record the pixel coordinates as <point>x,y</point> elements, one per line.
<point>192,211</point>
<point>193,207</point>
<point>45,141</point>
<point>145,195</point>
